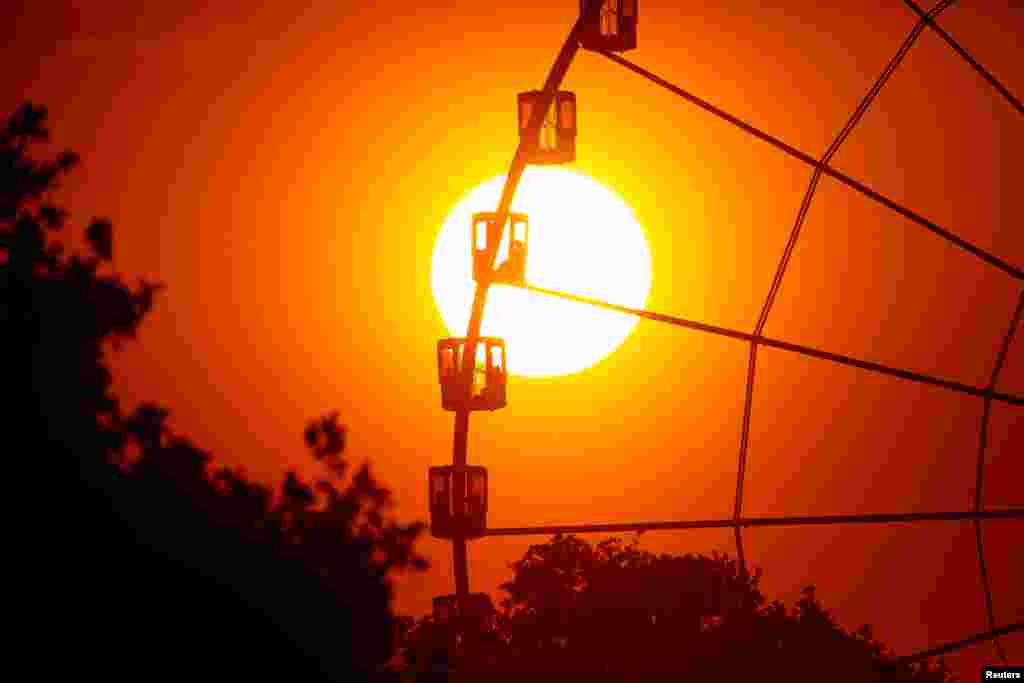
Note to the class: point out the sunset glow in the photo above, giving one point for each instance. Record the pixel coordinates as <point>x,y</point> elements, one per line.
<point>301,179</point>
<point>584,239</point>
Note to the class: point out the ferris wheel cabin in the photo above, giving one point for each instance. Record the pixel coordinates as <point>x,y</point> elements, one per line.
<point>614,28</point>
<point>485,236</point>
<point>556,141</point>
<point>490,375</point>
<point>444,523</point>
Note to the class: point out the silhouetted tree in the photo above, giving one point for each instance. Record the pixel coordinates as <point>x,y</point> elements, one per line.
<point>613,608</point>
<point>146,556</point>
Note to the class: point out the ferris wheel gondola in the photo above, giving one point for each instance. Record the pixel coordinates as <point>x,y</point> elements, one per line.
<point>614,27</point>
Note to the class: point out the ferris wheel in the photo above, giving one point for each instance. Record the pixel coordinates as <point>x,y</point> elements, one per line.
<point>472,370</point>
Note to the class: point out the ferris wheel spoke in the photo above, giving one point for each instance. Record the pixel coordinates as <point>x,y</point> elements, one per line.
<point>959,644</point>
<point>982,71</point>
<point>986,584</point>
<point>951,385</point>
<point>760,522</point>
<point>833,148</point>
<point>825,169</point>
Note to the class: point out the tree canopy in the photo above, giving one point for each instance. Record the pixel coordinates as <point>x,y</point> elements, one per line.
<point>147,555</point>
<point>613,608</point>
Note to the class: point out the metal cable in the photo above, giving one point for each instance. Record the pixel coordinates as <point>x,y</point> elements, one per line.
<point>1014,102</point>
<point>951,385</point>
<point>972,640</point>
<point>805,207</point>
<point>1000,358</point>
<point>833,148</point>
<point>827,170</point>
<point>980,474</point>
<point>883,518</point>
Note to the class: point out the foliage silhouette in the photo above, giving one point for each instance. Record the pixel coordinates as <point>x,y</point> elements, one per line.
<point>151,557</point>
<point>612,608</point>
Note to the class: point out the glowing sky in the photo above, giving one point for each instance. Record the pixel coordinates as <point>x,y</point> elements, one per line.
<point>286,171</point>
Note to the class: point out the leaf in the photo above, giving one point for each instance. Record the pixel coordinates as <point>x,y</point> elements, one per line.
<point>100,234</point>
<point>52,216</point>
<point>67,160</point>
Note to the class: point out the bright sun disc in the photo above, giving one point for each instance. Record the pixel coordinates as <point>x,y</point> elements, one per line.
<point>583,240</point>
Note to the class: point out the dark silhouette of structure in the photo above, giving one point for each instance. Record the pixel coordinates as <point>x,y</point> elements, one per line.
<point>487,234</point>
<point>488,381</point>
<point>547,136</point>
<point>614,29</point>
<point>145,556</point>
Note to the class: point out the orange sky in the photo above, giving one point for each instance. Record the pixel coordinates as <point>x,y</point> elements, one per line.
<point>286,172</point>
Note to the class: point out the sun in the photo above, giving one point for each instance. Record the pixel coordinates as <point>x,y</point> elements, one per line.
<point>583,239</point>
